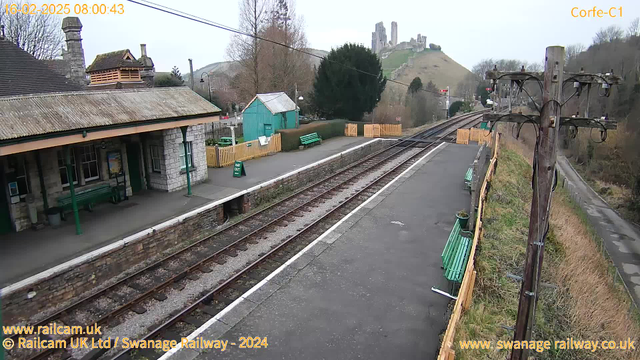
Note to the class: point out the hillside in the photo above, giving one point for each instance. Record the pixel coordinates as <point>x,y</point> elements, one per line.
<point>230,68</point>
<point>429,65</point>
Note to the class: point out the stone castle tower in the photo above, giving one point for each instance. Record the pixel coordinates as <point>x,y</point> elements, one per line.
<point>394,33</point>
<point>74,54</point>
<point>379,38</point>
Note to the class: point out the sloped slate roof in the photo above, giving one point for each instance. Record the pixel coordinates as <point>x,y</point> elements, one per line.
<point>277,102</point>
<point>21,73</point>
<point>113,60</point>
<point>30,115</point>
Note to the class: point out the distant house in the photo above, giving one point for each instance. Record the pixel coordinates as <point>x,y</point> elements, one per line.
<point>267,113</point>
<point>117,69</point>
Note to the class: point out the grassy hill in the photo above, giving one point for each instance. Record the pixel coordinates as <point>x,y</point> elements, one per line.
<point>394,61</point>
<point>429,65</point>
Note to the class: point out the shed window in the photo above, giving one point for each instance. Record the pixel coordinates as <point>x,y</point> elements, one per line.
<point>156,157</point>
<point>189,155</point>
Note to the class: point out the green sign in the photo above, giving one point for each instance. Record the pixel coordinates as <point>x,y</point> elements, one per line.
<point>238,169</point>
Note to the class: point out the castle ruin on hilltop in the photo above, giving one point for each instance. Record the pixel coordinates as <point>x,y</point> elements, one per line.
<point>379,40</point>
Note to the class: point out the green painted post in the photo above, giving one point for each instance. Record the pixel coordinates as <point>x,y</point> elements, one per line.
<point>186,158</point>
<point>74,204</point>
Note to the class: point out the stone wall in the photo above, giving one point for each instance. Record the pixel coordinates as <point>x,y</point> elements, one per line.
<point>307,176</point>
<point>175,175</point>
<point>66,287</point>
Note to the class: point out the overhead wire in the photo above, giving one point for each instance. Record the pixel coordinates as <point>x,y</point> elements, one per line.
<point>204,21</point>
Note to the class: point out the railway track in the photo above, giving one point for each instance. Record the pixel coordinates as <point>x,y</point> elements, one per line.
<point>106,306</point>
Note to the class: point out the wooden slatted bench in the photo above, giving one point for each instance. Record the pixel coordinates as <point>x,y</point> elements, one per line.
<point>310,139</point>
<point>86,198</point>
<point>456,254</point>
<point>468,177</point>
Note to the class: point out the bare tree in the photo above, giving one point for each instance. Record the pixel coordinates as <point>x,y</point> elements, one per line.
<point>481,68</point>
<point>610,34</point>
<point>245,50</point>
<point>572,51</point>
<point>468,86</point>
<point>634,28</point>
<point>40,35</point>
<point>285,66</point>
<point>534,67</point>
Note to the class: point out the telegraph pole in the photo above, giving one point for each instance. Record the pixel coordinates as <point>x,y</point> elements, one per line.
<point>543,182</point>
<point>548,124</point>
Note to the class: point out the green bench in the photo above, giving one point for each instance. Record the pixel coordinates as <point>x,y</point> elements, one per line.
<point>87,198</point>
<point>468,177</point>
<point>310,139</point>
<point>456,254</point>
<point>225,141</point>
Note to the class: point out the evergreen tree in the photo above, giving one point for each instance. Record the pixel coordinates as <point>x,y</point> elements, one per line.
<point>342,91</point>
<point>175,73</point>
<point>415,86</point>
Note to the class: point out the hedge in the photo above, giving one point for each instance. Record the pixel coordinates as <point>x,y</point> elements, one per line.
<point>326,129</point>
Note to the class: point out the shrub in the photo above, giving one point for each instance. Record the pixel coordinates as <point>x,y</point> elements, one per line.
<point>326,129</point>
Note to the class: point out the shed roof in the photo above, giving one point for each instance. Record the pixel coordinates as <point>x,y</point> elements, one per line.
<point>21,73</point>
<point>114,60</point>
<point>277,102</point>
<point>31,115</point>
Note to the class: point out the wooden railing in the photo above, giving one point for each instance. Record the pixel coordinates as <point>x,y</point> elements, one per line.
<point>466,288</point>
<point>378,130</point>
<point>225,156</point>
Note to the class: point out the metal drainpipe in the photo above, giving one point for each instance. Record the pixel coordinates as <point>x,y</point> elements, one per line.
<point>74,204</point>
<point>186,158</point>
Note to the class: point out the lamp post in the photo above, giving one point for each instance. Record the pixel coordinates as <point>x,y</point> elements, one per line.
<point>208,83</point>
<point>298,110</point>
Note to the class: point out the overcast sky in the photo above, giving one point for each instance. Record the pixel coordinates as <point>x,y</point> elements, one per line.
<point>467,30</point>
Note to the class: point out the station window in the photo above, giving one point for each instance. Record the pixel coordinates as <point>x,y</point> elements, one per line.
<point>19,167</point>
<point>156,157</point>
<point>189,155</point>
<point>89,161</point>
<point>64,179</point>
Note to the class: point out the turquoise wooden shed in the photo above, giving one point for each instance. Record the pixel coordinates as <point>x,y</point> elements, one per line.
<point>267,113</point>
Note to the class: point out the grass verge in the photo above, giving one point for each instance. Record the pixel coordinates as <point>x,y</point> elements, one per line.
<point>584,301</point>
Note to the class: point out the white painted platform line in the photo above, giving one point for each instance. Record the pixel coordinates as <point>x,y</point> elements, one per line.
<point>257,286</point>
<point>176,220</point>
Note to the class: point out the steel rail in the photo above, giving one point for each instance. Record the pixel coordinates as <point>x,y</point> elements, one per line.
<point>199,264</point>
<point>209,296</point>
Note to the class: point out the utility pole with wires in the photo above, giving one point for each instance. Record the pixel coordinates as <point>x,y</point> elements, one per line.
<point>543,185</point>
<point>547,125</point>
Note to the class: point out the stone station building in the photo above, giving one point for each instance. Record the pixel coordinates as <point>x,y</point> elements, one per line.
<point>125,139</point>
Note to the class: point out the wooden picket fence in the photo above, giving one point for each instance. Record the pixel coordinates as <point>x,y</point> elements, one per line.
<point>351,130</point>
<point>468,281</point>
<point>378,130</point>
<point>226,156</point>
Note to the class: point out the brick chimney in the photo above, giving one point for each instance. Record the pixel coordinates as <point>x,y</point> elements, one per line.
<point>149,70</point>
<point>74,55</point>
